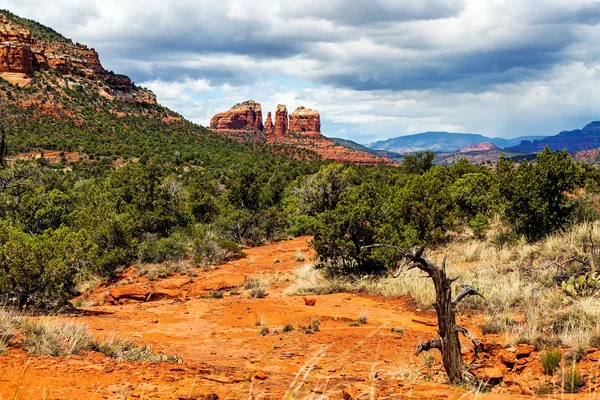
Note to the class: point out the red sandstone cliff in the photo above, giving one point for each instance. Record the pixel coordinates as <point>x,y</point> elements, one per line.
<point>306,122</point>
<point>242,116</point>
<point>281,121</point>
<point>269,127</point>
<point>22,54</point>
<point>301,130</point>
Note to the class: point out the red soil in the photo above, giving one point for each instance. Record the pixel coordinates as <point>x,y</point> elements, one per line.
<point>224,354</point>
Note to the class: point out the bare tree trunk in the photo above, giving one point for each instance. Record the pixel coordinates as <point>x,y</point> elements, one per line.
<point>448,342</point>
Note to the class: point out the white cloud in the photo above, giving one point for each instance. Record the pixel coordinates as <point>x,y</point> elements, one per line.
<point>373,68</point>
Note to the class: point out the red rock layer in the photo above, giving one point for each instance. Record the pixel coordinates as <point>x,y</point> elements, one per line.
<point>281,121</point>
<point>302,131</point>
<point>269,128</point>
<point>306,122</point>
<point>21,53</point>
<point>242,116</point>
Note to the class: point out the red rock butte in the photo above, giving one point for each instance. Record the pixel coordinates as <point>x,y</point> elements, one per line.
<point>21,55</point>
<point>302,129</point>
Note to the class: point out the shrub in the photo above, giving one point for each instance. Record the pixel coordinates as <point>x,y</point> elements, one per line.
<point>396,329</point>
<point>264,330</point>
<point>216,294</point>
<point>258,293</point>
<point>572,380</point>
<point>159,250</point>
<point>47,337</point>
<point>575,354</point>
<point>362,318</point>
<point>550,360</point>
<point>288,327</point>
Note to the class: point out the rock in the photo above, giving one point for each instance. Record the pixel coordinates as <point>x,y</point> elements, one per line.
<point>281,121</point>
<point>269,127</point>
<point>242,116</point>
<point>260,376</point>
<point>524,350</point>
<point>508,357</point>
<point>129,292</point>
<point>306,122</point>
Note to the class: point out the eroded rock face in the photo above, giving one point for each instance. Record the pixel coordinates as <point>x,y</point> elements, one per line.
<point>306,122</point>
<point>242,116</point>
<point>21,53</point>
<point>281,121</point>
<point>269,128</point>
<point>299,133</point>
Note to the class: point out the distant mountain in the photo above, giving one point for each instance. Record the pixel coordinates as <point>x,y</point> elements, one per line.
<point>442,142</point>
<point>359,147</point>
<point>587,138</point>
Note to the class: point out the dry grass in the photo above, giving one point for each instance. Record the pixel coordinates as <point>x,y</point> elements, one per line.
<point>522,299</point>
<point>59,337</point>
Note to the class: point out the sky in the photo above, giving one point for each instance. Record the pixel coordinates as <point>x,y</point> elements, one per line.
<point>374,69</point>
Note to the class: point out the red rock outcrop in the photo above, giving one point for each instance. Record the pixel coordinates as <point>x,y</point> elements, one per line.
<point>242,116</point>
<point>281,121</point>
<point>306,122</point>
<point>298,136</point>
<point>485,146</point>
<point>21,55</point>
<point>269,128</point>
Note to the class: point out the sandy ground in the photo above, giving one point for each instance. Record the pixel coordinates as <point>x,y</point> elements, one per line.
<point>224,354</point>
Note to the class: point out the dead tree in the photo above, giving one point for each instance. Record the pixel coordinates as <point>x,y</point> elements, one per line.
<point>448,342</point>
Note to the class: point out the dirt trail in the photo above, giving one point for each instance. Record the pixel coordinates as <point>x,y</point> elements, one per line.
<point>224,354</point>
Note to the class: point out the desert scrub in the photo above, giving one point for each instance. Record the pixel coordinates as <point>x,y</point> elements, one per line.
<point>362,317</point>
<point>397,329</point>
<point>125,350</point>
<point>48,337</point>
<point>258,293</point>
<point>288,328</point>
<point>572,380</point>
<point>216,294</point>
<point>550,360</point>
<point>264,330</point>
<point>8,325</point>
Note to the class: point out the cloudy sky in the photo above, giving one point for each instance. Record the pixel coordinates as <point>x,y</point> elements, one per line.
<point>373,68</point>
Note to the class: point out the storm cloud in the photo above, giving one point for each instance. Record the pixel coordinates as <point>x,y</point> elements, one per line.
<point>374,69</point>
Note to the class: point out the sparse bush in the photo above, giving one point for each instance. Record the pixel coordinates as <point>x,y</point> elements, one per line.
<point>264,330</point>
<point>258,293</point>
<point>550,360</point>
<point>288,327</point>
<point>47,337</point>
<point>362,317</point>
<point>397,329</point>
<point>126,350</point>
<point>354,323</point>
<point>216,294</point>
<point>428,360</point>
<point>572,380</point>
<point>575,354</point>
<point>314,325</point>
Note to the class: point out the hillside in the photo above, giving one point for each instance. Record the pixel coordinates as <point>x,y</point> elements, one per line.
<point>359,147</point>
<point>587,138</point>
<point>441,142</point>
<point>65,100</point>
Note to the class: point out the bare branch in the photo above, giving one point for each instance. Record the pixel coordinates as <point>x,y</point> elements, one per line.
<point>464,292</point>
<point>467,333</point>
<point>431,344</point>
